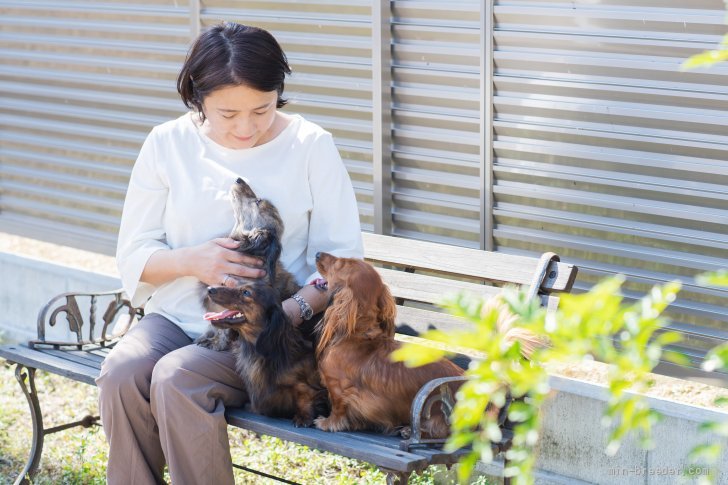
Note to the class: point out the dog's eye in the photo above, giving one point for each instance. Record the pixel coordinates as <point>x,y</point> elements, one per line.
<point>247,293</point>
<point>257,201</point>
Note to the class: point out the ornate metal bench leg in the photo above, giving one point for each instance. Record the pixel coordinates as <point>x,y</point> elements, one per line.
<point>398,478</point>
<point>21,374</point>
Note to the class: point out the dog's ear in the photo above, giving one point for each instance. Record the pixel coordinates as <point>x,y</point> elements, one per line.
<point>271,342</point>
<point>387,311</point>
<point>272,253</point>
<point>339,320</point>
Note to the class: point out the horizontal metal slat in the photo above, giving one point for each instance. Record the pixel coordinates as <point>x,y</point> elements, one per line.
<point>631,159</point>
<point>65,145</point>
<point>12,156</point>
<point>14,177</point>
<point>49,77</point>
<point>609,201</point>
<point>63,95</point>
<point>702,127</point>
<point>612,224</point>
<point>122,26</point>
<point>612,69</point>
<point>138,9</point>
<point>14,192</point>
<point>676,98</point>
<point>649,186</point>
<point>68,61</point>
<point>610,139</point>
<point>67,217</point>
<point>620,21</point>
<point>614,249</point>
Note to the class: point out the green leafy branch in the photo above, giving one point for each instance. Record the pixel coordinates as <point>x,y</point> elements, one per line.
<point>596,324</point>
<point>716,359</point>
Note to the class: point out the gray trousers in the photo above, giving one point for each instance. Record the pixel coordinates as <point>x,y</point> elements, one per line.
<point>162,400</point>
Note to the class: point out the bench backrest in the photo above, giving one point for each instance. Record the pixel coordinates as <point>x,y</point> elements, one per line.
<point>420,273</point>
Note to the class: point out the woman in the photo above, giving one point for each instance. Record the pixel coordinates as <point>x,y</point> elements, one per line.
<point>162,398</point>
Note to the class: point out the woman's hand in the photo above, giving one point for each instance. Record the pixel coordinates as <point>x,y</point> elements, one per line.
<point>216,263</point>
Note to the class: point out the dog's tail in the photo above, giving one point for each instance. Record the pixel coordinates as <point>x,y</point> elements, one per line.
<point>505,323</point>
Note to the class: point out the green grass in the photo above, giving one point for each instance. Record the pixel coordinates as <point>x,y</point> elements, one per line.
<point>78,455</point>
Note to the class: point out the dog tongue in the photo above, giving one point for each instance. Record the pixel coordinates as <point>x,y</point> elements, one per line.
<point>219,315</point>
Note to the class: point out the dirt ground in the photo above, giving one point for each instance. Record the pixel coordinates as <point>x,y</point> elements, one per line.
<point>671,388</point>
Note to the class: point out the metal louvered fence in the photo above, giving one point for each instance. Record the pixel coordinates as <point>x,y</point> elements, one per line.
<point>519,126</point>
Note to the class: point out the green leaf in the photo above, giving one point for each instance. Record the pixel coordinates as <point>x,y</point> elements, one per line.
<point>716,358</point>
<point>705,452</point>
<point>459,440</point>
<point>519,411</point>
<point>676,357</point>
<point>466,466</point>
<point>717,278</point>
<point>414,355</point>
<point>668,338</point>
<point>714,427</point>
<point>704,59</point>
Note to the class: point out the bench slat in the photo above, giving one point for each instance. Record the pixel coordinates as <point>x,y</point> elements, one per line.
<point>432,289</point>
<point>78,356</point>
<point>429,289</point>
<point>458,261</point>
<point>382,451</point>
<point>39,359</point>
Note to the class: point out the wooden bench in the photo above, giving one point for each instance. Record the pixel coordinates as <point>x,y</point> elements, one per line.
<point>418,273</point>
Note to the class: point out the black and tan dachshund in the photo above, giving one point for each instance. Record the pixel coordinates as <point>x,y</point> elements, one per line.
<point>258,228</point>
<point>275,361</point>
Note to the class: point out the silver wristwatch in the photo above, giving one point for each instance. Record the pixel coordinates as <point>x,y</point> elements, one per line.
<point>306,310</point>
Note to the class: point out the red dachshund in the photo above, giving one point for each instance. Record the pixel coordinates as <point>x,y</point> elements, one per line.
<point>367,390</point>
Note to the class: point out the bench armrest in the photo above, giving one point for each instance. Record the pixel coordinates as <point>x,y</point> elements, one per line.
<point>118,316</point>
<point>442,391</point>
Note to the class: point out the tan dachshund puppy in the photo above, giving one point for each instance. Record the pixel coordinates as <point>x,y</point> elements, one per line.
<point>367,390</point>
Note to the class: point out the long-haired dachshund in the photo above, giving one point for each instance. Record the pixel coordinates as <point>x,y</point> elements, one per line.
<point>367,390</point>
<point>276,363</point>
<point>258,228</point>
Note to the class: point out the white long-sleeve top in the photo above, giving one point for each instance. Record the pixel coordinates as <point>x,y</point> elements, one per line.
<point>178,196</point>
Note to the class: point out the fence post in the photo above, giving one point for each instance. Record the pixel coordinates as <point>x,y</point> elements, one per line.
<point>194,19</point>
<point>486,125</point>
<point>382,116</point>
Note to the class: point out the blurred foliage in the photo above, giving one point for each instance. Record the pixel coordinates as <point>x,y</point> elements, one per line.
<point>598,324</point>
<point>708,58</point>
<point>717,359</point>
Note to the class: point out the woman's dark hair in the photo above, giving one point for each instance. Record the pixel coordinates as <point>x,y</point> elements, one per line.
<point>231,54</point>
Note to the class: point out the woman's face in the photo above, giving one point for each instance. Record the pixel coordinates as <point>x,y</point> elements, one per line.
<point>239,116</point>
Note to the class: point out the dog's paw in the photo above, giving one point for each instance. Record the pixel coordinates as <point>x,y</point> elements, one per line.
<point>331,423</point>
<point>406,432</point>
<point>214,339</point>
<point>206,342</point>
<point>300,421</point>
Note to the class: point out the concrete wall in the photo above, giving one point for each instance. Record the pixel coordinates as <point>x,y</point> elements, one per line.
<point>573,440</point>
<point>26,284</point>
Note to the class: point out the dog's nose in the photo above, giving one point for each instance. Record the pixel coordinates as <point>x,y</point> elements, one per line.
<point>318,255</point>
<point>211,290</point>
<point>240,181</point>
